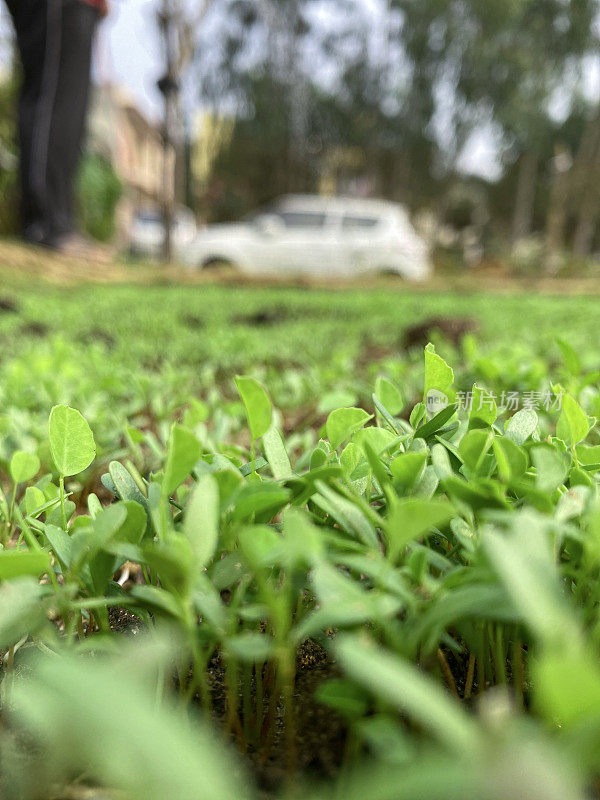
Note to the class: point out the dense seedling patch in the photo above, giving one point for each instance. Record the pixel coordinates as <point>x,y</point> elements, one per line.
<point>422,576</point>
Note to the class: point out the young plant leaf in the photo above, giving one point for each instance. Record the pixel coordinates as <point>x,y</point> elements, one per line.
<point>276,454</point>
<point>573,425</point>
<point>483,410</point>
<point>413,517</point>
<point>439,377</point>
<point>18,563</point>
<point>522,426</point>
<point>201,520</point>
<point>71,441</point>
<point>343,423</point>
<point>408,468</point>
<point>405,687</point>
<point>257,403</point>
<point>24,466</point>
<point>389,395</point>
<point>183,453</point>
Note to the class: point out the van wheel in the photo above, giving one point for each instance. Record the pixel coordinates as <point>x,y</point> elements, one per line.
<point>389,272</point>
<point>219,264</point>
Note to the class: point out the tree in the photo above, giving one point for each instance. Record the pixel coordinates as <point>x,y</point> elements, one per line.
<point>504,61</point>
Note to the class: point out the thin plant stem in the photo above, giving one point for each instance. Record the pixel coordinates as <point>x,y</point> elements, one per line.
<point>500,656</point>
<point>470,677</point>
<point>447,672</point>
<point>63,511</point>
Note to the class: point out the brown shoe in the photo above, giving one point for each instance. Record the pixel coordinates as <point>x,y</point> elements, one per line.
<point>73,245</point>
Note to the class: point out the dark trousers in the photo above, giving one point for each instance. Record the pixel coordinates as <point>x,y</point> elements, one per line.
<point>54,38</point>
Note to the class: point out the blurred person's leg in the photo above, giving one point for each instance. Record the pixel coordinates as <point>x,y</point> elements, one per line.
<point>55,43</point>
<point>70,111</point>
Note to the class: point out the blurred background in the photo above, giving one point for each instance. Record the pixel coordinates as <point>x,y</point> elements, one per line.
<point>482,119</point>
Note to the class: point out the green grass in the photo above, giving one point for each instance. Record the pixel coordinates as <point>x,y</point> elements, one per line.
<point>335,582</point>
<point>188,325</point>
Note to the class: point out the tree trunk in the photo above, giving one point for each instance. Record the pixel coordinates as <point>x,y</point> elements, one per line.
<point>585,232</point>
<point>525,199</point>
<point>590,196</point>
<point>559,195</point>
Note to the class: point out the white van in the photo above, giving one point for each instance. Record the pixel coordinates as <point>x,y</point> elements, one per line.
<point>321,236</point>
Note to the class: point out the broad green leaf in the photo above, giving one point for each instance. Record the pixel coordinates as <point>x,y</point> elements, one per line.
<point>171,558</point>
<point>477,493</point>
<point>201,521</point>
<point>343,603</point>
<point>522,426</point>
<point>408,468</point>
<point>303,540</point>
<point>588,455</point>
<point>23,466</point>
<point>525,563</point>
<point>510,458</point>
<point>474,447</point>
<point>157,600</point>
<point>418,414</point>
<point>551,468</point>
<point>34,499</point>
<point>94,505</point>
<point>252,648</point>
<point>18,563</point>
<point>390,397</point>
<point>392,679</point>
<point>125,485</point>
<point>71,441</point>
<point>343,423</point>
<point>259,499</point>
<point>411,518</point>
<point>572,503</point>
<point>183,453</point>
<point>260,545</point>
<point>355,466</point>
<point>257,403</point>
<point>570,357</point>
<point>376,438</point>
<point>133,528</point>
<point>54,517</point>
<point>567,687</point>
<point>108,522</point>
<point>343,696</point>
<point>72,708</point>
<point>483,410</point>
<point>441,462</point>
<point>276,454</point>
<point>347,514</point>
<point>22,609</point>
<point>439,377</point>
<point>573,425</point>
<point>60,542</point>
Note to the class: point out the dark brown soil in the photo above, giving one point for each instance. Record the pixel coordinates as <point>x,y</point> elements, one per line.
<point>452,329</point>
<point>8,306</point>
<point>37,329</point>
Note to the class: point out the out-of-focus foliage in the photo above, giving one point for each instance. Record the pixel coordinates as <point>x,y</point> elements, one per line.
<point>387,100</point>
<point>9,192</point>
<point>442,563</point>
<point>98,192</point>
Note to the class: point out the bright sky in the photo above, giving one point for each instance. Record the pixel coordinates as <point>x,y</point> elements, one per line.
<point>128,50</point>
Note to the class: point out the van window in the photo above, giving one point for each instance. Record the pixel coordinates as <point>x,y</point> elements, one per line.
<point>299,219</point>
<point>351,223</point>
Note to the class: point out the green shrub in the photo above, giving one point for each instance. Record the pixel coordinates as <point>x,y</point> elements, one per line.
<point>98,193</point>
